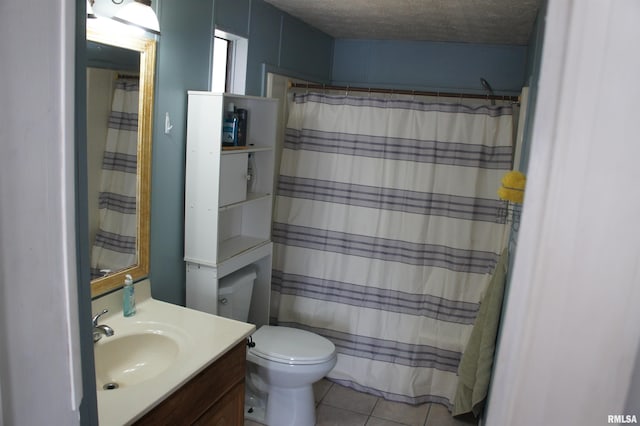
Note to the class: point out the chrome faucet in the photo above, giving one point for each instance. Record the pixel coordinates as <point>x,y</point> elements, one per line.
<point>99,330</point>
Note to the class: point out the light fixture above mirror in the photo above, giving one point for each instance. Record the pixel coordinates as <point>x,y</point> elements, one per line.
<point>139,14</point>
<point>135,13</point>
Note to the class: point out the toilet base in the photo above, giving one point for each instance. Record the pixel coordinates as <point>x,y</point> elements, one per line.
<point>290,407</point>
<point>285,407</point>
<point>254,403</point>
<point>255,414</point>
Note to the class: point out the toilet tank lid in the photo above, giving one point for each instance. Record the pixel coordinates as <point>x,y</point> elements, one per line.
<point>291,345</point>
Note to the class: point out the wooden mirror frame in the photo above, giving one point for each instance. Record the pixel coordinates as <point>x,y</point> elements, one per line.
<point>147,48</point>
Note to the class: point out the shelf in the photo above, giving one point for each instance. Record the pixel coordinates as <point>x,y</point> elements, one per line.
<point>254,148</point>
<point>251,198</point>
<point>248,257</point>
<point>226,227</point>
<point>237,245</point>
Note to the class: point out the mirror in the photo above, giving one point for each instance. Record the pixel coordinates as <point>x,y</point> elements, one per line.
<point>119,67</point>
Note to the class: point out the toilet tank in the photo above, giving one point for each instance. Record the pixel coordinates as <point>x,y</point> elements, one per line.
<point>234,294</point>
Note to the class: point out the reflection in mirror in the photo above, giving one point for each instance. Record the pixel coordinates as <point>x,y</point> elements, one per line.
<point>120,76</point>
<point>112,141</point>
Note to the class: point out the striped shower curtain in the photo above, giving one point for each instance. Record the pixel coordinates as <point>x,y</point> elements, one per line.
<point>387,229</point>
<point>115,245</point>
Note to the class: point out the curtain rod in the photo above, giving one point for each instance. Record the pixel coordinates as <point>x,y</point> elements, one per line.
<point>403,92</point>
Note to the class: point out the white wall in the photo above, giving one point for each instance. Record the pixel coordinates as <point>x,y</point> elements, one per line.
<point>39,355</point>
<point>572,327</point>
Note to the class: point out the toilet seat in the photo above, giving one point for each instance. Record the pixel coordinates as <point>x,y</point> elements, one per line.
<point>292,346</point>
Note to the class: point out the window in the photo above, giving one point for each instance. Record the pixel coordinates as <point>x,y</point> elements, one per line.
<point>220,65</point>
<point>229,68</point>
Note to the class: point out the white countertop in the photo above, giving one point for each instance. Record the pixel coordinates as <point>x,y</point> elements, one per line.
<point>203,339</point>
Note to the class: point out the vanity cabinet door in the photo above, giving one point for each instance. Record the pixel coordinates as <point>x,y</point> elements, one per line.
<point>213,395</point>
<point>229,411</point>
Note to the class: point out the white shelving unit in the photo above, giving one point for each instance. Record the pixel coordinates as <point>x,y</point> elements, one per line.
<point>227,217</point>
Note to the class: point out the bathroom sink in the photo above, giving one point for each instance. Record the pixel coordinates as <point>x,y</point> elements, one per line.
<point>132,359</point>
<point>154,353</point>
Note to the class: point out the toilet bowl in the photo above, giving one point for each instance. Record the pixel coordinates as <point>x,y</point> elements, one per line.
<point>285,363</point>
<point>282,365</point>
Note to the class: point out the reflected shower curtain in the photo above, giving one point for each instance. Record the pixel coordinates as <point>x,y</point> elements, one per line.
<point>387,229</point>
<point>115,245</point>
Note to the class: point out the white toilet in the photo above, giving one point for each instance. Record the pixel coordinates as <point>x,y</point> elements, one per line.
<point>283,364</point>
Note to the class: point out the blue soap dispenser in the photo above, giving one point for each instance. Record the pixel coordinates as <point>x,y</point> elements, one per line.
<point>129,297</point>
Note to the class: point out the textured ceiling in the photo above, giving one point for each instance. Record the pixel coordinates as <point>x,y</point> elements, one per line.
<point>466,21</point>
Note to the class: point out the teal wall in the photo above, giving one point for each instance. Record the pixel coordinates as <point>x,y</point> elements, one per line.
<point>183,63</point>
<point>423,65</point>
<point>533,75</point>
<point>233,16</point>
<point>276,39</point>
<point>305,50</point>
<point>89,403</point>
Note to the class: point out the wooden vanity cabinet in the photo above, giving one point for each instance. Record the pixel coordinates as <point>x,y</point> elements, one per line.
<point>214,397</point>
<point>229,410</point>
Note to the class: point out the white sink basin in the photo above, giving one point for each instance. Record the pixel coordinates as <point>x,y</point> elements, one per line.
<point>132,359</point>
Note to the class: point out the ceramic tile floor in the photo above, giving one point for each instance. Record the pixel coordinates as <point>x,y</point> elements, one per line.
<point>340,406</point>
